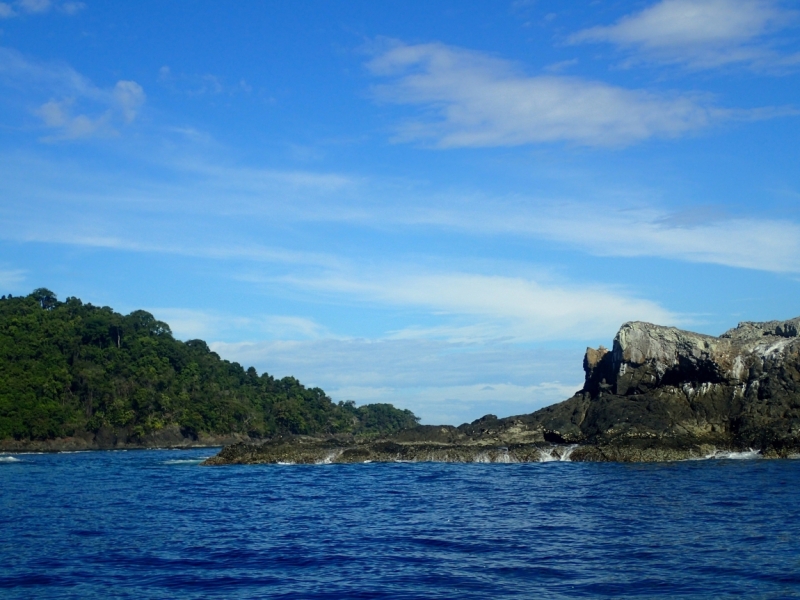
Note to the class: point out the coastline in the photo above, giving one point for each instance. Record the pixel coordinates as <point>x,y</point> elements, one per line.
<point>167,438</point>
<point>304,451</point>
<point>660,394</point>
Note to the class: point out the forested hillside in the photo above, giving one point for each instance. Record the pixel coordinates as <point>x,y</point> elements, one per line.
<point>69,367</point>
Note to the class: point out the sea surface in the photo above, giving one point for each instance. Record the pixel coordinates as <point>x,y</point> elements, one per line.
<point>156,524</point>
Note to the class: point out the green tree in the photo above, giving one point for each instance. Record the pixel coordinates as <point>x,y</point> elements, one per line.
<point>67,367</point>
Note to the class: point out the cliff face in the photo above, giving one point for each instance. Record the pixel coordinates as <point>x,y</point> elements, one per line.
<point>661,383</point>
<point>660,393</point>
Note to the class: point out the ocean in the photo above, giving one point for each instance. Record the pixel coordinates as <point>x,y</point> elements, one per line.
<point>156,524</point>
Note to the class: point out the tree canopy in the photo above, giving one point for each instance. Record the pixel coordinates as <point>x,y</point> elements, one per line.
<point>69,367</point>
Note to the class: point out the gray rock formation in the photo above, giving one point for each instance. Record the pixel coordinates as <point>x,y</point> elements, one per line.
<point>741,389</point>
<point>660,393</point>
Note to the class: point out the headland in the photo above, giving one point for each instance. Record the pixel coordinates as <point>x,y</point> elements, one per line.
<point>658,394</point>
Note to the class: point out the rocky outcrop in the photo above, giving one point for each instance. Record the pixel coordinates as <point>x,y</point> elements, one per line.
<point>741,389</point>
<point>660,393</point>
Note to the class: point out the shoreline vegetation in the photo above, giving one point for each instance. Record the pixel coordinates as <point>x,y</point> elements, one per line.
<point>74,376</point>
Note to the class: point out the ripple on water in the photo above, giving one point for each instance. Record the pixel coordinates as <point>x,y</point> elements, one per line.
<point>79,525</point>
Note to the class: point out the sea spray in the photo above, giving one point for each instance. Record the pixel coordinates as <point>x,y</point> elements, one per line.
<point>730,455</point>
<point>557,453</point>
<point>330,457</point>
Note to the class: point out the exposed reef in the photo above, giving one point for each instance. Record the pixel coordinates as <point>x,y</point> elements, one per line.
<point>659,394</point>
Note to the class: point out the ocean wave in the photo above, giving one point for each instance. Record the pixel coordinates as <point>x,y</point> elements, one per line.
<point>185,461</point>
<point>557,454</point>
<point>9,459</point>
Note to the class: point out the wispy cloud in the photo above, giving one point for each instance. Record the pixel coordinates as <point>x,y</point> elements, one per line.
<point>476,306</point>
<point>200,85</point>
<point>194,323</point>
<point>701,33</point>
<point>456,404</point>
<point>49,233</point>
<point>77,108</point>
<point>442,382</point>
<point>10,279</point>
<point>701,236</point>
<point>149,216</point>
<point>472,99</point>
<point>37,7</point>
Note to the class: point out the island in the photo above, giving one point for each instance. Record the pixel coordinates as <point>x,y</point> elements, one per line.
<point>74,376</point>
<point>659,394</point>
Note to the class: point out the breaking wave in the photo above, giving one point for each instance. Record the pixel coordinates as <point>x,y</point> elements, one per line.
<point>748,454</point>
<point>557,453</point>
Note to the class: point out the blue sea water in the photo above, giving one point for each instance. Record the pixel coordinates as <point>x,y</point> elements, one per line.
<point>155,524</point>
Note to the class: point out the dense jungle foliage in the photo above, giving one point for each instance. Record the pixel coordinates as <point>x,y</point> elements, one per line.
<point>68,367</point>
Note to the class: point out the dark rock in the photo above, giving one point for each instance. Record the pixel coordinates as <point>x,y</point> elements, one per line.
<point>659,394</point>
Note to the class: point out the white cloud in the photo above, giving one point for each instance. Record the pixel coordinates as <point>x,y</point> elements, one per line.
<point>10,279</point>
<point>94,236</point>
<point>129,97</point>
<point>456,404</point>
<point>149,216</point>
<point>200,84</point>
<point>34,7</point>
<point>604,230</point>
<point>475,306</point>
<point>699,33</point>
<point>58,115</point>
<point>72,8</point>
<point>77,108</point>
<point>193,323</point>
<point>476,100</point>
<point>762,244</point>
<point>442,382</point>
<point>192,134</point>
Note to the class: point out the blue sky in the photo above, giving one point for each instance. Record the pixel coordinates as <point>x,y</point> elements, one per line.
<point>434,204</point>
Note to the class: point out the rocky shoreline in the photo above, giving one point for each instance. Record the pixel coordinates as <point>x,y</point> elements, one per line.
<point>659,394</point>
<point>294,451</point>
<point>107,439</point>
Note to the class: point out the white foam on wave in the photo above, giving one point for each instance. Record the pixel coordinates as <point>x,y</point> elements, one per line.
<point>24,453</point>
<point>9,459</point>
<point>185,461</point>
<point>284,463</point>
<point>329,458</point>
<point>749,454</point>
<point>557,453</point>
<point>482,457</point>
<point>498,455</point>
